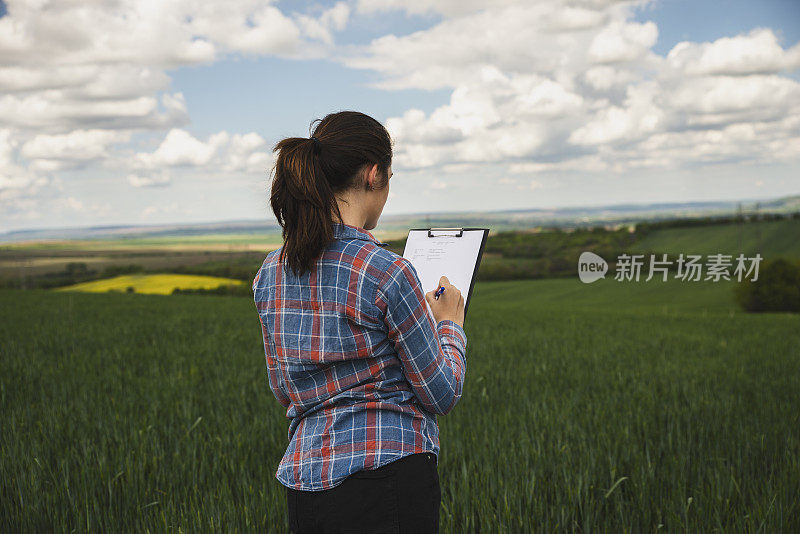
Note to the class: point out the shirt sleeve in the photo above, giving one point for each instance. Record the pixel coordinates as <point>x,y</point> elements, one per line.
<point>272,368</point>
<point>433,356</point>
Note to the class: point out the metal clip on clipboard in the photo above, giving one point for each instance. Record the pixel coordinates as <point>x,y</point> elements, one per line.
<point>459,234</point>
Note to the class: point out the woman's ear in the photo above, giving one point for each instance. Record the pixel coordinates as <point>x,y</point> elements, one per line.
<point>372,177</point>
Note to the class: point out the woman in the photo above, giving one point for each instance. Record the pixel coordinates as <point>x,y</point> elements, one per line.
<point>352,351</point>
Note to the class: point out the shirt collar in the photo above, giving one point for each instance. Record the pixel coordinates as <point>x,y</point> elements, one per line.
<point>348,231</point>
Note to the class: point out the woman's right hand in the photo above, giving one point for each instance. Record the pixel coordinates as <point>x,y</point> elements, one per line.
<point>449,306</point>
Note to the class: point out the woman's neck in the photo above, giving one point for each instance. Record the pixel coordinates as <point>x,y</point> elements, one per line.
<point>350,214</point>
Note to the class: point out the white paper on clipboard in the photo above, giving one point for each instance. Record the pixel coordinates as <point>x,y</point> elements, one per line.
<point>445,254</point>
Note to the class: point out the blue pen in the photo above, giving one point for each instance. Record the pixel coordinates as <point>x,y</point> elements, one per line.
<point>438,292</point>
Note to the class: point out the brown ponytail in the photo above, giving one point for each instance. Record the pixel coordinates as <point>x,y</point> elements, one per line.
<point>309,171</point>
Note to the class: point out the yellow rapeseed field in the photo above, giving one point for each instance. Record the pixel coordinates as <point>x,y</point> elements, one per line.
<point>161,284</point>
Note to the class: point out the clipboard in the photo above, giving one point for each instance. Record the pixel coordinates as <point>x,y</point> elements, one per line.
<point>428,260</point>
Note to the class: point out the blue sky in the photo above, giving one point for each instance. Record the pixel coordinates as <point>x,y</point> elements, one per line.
<point>249,84</point>
<point>693,20</point>
<point>516,105</point>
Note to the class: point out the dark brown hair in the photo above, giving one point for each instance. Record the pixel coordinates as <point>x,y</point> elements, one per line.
<point>308,172</point>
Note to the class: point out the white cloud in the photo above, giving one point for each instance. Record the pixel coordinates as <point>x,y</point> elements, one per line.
<point>221,152</point>
<point>321,28</point>
<point>558,85</point>
<point>53,111</point>
<point>77,79</point>
<point>622,41</point>
<point>726,99</point>
<point>757,52</point>
<point>246,153</point>
<point>576,15</point>
<point>79,147</point>
<point>490,117</point>
<point>14,175</point>
<point>73,205</point>
<point>179,147</point>
<point>417,7</point>
<point>604,78</point>
<point>149,211</point>
<point>524,37</point>
<point>636,118</point>
<point>156,179</point>
<point>149,34</point>
<point>245,26</point>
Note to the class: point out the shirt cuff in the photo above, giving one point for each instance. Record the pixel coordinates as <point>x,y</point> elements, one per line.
<point>451,332</point>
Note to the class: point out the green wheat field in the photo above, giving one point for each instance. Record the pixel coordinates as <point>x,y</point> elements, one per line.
<point>611,407</point>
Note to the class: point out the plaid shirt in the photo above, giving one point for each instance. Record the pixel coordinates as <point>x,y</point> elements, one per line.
<point>355,357</point>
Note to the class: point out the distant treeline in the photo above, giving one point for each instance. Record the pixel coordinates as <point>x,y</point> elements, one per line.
<point>777,290</point>
<point>77,272</point>
<point>243,270</point>
<point>645,227</point>
<point>73,273</point>
<point>552,252</point>
<point>522,254</point>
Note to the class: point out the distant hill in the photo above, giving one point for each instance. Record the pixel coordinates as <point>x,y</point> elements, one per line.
<point>392,225</point>
<point>139,231</point>
<point>769,238</point>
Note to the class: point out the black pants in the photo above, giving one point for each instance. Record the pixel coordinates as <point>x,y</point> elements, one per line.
<point>399,497</point>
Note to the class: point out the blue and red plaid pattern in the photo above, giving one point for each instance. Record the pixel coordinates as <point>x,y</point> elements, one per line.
<point>355,357</point>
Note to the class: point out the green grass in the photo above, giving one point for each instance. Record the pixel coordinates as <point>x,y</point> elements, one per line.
<point>570,294</point>
<point>769,238</point>
<point>586,408</point>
